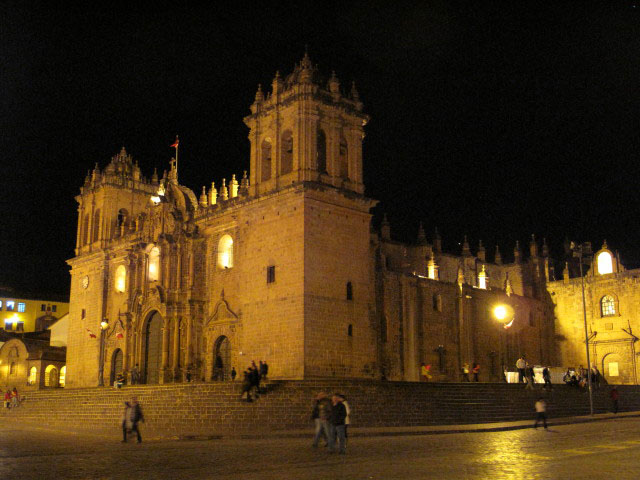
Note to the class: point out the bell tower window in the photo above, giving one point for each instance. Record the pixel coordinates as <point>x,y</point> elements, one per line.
<point>96,226</point>
<point>266,160</point>
<point>321,147</point>
<point>605,263</point>
<point>225,252</point>
<point>343,159</point>
<point>286,158</point>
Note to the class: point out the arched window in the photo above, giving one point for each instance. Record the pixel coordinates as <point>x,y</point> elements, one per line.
<point>123,215</point>
<point>266,159</point>
<point>63,374</point>
<point>121,279</point>
<point>225,252</point>
<point>437,302</point>
<point>33,375</point>
<point>343,159</point>
<point>605,263</point>
<point>85,230</point>
<point>607,306</point>
<point>96,226</point>
<point>154,264</point>
<point>12,368</point>
<point>286,155</point>
<point>349,291</point>
<point>321,147</point>
<point>350,330</point>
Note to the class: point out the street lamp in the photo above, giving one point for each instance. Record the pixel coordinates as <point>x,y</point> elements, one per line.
<point>504,314</point>
<point>578,249</point>
<point>104,324</point>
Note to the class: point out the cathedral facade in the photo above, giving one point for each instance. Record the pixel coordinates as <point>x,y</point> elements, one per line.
<point>282,265</point>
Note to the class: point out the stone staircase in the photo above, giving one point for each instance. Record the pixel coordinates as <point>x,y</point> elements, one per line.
<point>216,408</point>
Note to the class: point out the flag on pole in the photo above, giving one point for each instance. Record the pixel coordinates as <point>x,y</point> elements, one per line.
<point>91,334</point>
<point>175,144</point>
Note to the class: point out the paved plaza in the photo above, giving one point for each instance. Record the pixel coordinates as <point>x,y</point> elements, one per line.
<point>597,450</point>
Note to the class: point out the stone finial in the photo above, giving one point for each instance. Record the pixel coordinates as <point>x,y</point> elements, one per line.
<point>154,177</point>
<point>516,252</point>
<point>483,279</point>
<point>604,245</point>
<point>385,228</point>
<point>213,194</point>
<point>461,279</point>
<point>498,258</point>
<point>244,184</point>
<point>234,186</point>
<point>259,94</point>
<point>422,238</point>
<point>508,288</point>
<point>276,85</point>
<point>437,241</point>
<point>306,69</point>
<point>466,250</point>
<point>334,86</point>
<point>224,192</point>
<point>432,267</point>
<point>545,248</point>
<point>203,197</point>
<point>482,254</point>
<point>533,247</point>
<point>354,92</point>
<point>565,273</point>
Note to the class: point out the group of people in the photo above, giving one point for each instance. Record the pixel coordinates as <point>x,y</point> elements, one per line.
<point>12,398</point>
<point>580,377</point>
<point>527,375</point>
<point>475,370</point>
<point>253,381</point>
<point>331,417</point>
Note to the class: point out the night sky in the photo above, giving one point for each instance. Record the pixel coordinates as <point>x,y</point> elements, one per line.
<point>488,119</point>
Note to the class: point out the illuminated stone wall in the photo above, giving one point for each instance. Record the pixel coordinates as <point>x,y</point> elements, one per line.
<point>611,337</point>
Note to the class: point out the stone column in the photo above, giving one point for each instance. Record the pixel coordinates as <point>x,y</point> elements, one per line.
<point>187,356</point>
<point>176,348</point>
<point>165,349</point>
<point>125,346</point>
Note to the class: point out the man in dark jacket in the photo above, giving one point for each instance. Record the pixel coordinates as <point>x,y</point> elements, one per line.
<point>337,430</point>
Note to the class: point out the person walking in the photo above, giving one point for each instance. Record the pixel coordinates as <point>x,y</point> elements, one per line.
<point>347,419</point>
<point>337,426</point>
<point>614,398</point>
<point>465,372</point>
<point>541,413</point>
<point>529,377</point>
<point>246,385</point>
<point>546,375</point>
<point>234,374</point>
<point>135,375</point>
<point>132,415</point>
<point>521,365</point>
<point>595,376</point>
<point>476,371</point>
<point>7,399</point>
<point>320,415</point>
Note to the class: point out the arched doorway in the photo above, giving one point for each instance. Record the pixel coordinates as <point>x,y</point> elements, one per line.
<point>116,365</point>
<point>51,376</point>
<point>153,348</point>
<point>221,359</point>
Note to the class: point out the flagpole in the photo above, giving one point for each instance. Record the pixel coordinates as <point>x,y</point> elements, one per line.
<point>177,145</point>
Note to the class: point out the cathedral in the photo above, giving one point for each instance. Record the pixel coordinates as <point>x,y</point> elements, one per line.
<point>281,264</point>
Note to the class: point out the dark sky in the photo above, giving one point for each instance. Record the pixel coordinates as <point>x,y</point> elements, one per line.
<point>491,119</point>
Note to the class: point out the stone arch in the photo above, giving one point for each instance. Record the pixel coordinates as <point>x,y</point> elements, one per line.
<point>266,160</point>
<point>221,369</point>
<point>116,365</point>
<point>286,153</point>
<point>51,376</point>
<point>151,361</point>
<point>321,151</point>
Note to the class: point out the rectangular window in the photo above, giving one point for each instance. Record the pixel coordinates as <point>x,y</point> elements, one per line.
<point>8,325</point>
<point>11,305</point>
<point>21,307</point>
<point>54,308</point>
<point>271,274</point>
<point>20,327</point>
<point>0,304</point>
<point>43,308</point>
<point>84,313</point>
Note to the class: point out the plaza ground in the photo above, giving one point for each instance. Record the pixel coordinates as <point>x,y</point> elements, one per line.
<point>594,450</point>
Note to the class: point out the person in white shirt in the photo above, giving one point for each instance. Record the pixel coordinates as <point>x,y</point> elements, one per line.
<point>521,365</point>
<point>541,413</point>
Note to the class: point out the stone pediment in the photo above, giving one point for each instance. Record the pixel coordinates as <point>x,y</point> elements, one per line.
<point>222,313</point>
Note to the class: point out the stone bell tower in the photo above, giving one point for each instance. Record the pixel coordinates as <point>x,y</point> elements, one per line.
<point>306,129</point>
